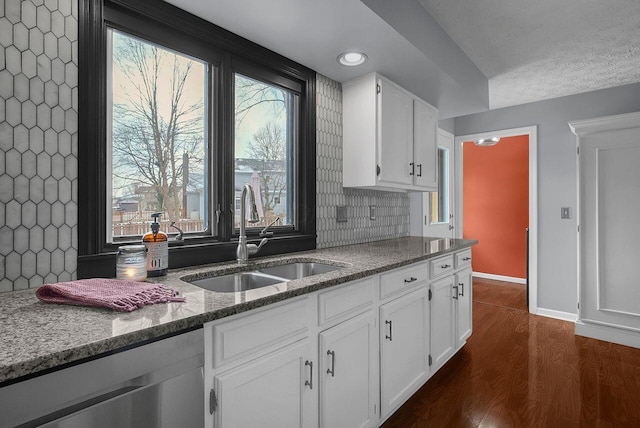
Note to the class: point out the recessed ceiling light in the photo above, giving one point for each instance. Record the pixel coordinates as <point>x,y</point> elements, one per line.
<point>486,142</point>
<point>351,59</point>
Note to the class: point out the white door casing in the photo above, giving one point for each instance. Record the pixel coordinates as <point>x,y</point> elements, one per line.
<point>608,209</point>
<point>532,132</point>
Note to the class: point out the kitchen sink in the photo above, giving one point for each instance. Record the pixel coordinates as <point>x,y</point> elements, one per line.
<point>299,270</point>
<point>240,281</point>
<point>262,276</point>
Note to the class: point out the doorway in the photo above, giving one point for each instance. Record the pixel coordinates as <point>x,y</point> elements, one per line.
<point>531,134</point>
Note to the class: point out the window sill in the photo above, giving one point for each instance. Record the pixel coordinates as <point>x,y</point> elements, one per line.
<point>103,265</point>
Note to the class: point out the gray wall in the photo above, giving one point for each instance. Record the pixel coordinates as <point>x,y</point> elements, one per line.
<point>557,247</point>
<point>38,142</point>
<point>392,208</point>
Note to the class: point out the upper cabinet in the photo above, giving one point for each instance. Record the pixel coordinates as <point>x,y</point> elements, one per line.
<point>389,137</point>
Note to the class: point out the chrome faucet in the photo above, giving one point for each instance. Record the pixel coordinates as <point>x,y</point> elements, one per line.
<point>244,250</point>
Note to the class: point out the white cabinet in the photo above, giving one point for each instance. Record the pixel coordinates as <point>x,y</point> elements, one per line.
<point>395,144</point>
<point>347,373</point>
<point>464,308</point>
<point>389,137</point>
<point>443,340</point>
<point>404,348</point>
<point>425,150</point>
<point>275,391</point>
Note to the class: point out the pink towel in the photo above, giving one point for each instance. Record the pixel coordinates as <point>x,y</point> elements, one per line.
<point>124,296</point>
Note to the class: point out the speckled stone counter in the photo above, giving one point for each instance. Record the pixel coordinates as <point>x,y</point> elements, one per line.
<point>36,337</point>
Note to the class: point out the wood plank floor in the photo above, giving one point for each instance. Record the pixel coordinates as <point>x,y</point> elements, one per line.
<point>521,370</point>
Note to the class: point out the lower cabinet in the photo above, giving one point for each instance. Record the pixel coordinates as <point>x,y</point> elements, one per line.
<point>347,373</point>
<point>464,307</point>
<point>443,336</point>
<point>404,347</point>
<point>273,391</point>
<point>347,356</point>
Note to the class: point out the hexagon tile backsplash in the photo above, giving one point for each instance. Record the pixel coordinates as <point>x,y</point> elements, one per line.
<point>38,142</point>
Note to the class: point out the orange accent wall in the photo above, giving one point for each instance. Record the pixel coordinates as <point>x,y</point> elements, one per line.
<point>496,204</point>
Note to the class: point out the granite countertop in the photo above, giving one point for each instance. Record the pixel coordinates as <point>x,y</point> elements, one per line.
<point>36,336</point>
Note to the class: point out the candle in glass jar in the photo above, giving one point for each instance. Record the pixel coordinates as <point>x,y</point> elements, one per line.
<point>131,263</point>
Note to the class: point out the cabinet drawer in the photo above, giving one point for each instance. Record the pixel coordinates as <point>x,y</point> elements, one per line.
<point>401,279</point>
<point>463,259</point>
<point>440,266</point>
<point>258,333</point>
<point>346,300</point>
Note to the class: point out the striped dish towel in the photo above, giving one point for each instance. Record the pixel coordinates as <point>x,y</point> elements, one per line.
<point>120,295</point>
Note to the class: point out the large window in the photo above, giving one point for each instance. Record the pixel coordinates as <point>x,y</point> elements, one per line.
<point>176,115</point>
<point>156,137</point>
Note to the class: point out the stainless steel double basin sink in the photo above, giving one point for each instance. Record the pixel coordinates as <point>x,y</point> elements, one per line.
<point>263,276</point>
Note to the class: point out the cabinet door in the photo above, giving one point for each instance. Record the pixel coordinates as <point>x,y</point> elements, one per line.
<point>404,341</point>
<point>464,324</point>
<point>277,390</point>
<point>425,148</point>
<point>347,373</point>
<point>443,339</point>
<point>395,135</point>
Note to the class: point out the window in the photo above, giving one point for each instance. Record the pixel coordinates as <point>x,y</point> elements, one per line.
<point>439,209</point>
<point>156,137</point>
<point>175,116</point>
<point>265,117</point>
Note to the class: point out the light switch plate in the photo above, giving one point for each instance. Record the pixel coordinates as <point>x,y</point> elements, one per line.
<point>341,213</point>
<point>565,212</point>
<point>372,212</point>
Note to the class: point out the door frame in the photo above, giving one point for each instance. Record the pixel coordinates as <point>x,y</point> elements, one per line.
<point>532,133</point>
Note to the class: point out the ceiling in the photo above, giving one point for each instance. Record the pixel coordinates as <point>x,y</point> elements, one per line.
<point>475,54</point>
<point>535,50</point>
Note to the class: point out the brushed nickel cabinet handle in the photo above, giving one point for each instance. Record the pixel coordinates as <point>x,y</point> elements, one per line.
<point>455,296</point>
<point>461,284</point>
<point>466,259</point>
<point>419,170</point>
<point>332,370</point>
<point>413,168</point>
<point>390,335</point>
<point>412,279</point>
<point>445,266</point>
<point>309,382</point>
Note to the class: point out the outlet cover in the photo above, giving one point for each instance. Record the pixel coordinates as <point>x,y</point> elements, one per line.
<point>372,212</point>
<point>341,213</point>
<point>565,212</point>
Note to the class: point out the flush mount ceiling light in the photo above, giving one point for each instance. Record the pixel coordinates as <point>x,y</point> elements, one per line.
<point>351,59</point>
<point>486,142</point>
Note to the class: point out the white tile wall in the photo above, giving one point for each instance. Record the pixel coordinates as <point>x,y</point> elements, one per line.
<point>392,216</point>
<point>38,142</point>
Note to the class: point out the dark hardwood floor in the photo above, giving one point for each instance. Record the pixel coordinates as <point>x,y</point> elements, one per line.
<point>522,370</point>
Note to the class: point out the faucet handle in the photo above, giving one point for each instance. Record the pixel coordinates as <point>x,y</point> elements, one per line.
<point>264,232</point>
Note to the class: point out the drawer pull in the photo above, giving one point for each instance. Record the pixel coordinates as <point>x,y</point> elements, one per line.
<point>309,382</point>
<point>455,296</point>
<point>390,335</point>
<point>412,279</point>
<point>445,266</point>
<point>466,259</point>
<point>332,370</point>
<point>461,284</point>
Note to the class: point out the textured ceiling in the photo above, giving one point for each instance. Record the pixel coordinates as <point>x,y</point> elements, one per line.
<point>535,50</point>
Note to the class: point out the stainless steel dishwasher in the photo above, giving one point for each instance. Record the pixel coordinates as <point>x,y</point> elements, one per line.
<point>156,385</point>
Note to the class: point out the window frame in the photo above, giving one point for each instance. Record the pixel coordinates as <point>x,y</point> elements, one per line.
<point>164,24</point>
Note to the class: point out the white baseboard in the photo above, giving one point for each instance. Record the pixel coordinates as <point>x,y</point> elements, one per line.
<point>608,334</point>
<point>500,277</point>
<point>550,313</point>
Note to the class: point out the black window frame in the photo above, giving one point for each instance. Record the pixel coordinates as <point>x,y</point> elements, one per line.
<point>162,23</point>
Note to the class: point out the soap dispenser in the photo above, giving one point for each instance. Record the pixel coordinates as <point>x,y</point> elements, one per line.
<point>157,244</point>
